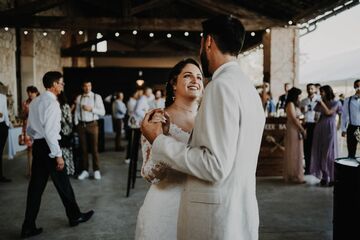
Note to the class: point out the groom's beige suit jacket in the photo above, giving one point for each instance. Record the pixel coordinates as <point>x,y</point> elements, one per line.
<point>219,199</point>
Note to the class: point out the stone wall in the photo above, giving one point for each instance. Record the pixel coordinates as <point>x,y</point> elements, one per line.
<point>7,62</point>
<point>46,55</point>
<point>281,58</point>
<point>252,65</point>
<point>39,54</point>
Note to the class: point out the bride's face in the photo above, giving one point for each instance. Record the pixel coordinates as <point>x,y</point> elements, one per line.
<point>189,82</point>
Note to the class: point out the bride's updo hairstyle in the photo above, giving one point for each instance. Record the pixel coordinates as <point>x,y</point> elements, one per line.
<point>174,73</point>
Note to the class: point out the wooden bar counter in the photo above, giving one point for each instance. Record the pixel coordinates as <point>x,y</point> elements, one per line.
<point>271,154</point>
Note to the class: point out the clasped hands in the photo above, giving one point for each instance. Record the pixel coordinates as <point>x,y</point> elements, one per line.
<point>155,122</point>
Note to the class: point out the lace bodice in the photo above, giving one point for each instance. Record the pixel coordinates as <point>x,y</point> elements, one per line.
<point>155,172</point>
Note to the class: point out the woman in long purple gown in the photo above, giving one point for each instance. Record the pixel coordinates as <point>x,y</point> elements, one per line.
<point>325,147</point>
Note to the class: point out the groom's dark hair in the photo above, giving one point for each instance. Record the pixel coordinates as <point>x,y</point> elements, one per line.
<point>228,32</point>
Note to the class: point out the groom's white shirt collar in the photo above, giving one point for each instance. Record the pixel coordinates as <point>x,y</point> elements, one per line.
<point>222,67</point>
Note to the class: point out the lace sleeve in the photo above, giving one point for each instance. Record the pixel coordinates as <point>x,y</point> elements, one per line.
<point>151,171</point>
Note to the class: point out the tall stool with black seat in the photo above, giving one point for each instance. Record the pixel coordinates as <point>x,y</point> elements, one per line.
<point>134,150</point>
<point>346,206</point>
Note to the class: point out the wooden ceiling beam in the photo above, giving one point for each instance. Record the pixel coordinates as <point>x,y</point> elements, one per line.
<point>186,44</point>
<point>148,6</point>
<point>117,24</point>
<point>86,44</point>
<point>31,8</point>
<point>245,15</point>
<point>320,8</point>
<point>101,23</point>
<point>136,54</point>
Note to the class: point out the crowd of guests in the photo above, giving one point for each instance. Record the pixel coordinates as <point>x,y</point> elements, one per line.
<point>311,131</point>
<point>311,136</point>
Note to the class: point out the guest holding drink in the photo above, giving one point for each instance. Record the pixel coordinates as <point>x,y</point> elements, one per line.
<point>325,148</point>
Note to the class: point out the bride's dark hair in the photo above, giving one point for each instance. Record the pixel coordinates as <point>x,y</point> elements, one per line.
<point>174,73</point>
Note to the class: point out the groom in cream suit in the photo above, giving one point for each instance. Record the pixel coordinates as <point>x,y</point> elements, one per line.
<point>219,200</point>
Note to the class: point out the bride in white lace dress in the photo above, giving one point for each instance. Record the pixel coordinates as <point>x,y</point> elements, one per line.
<point>158,215</point>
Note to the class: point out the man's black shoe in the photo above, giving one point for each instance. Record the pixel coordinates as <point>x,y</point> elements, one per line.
<point>25,233</point>
<point>83,218</point>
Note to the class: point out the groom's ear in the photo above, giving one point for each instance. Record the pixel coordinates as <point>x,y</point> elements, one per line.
<point>208,42</point>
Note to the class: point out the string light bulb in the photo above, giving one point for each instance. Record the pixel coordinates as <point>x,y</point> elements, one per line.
<point>117,34</point>
<point>134,32</point>
<point>252,34</point>
<point>45,34</point>
<point>26,32</point>
<point>81,32</point>
<point>168,35</point>
<point>62,32</point>
<point>267,30</point>
<point>186,34</point>
<point>99,35</point>
<point>151,34</point>
<point>6,28</point>
<point>290,22</point>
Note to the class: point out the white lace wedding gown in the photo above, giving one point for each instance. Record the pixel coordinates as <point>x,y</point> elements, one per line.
<point>157,219</point>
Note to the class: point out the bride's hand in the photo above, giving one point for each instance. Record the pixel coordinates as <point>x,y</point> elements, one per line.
<point>166,125</point>
<point>158,173</point>
<point>158,116</point>
<point>164,118</point>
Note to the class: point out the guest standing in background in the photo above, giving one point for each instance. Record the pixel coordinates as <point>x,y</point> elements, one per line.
<point>131,104</point>
<point>307,107</point>
<point>325,148</point>
<point>66,133</point>
<point>140,110</point>
<point>44,127</point>
<point>89,107</point>
<point>4,131</point>
<point>159,101</point>
<point>282,99</point>
<point>118,111</point>
<point>294,135</point>
<point>350,125</point>
<point>32,93</point>
<point>149,95</point>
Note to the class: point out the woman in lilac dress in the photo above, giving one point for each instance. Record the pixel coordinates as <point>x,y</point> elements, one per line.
<point>324,148</point>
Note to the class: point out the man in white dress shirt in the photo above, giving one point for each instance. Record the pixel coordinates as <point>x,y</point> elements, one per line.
<point>307,106</point>
<point>89,107</point>
<point>350,125</point>
<point>44,128</point>
<point>118,113</point>
<point>4,131</point>
<point>219,198</point>
<point>159,101</point>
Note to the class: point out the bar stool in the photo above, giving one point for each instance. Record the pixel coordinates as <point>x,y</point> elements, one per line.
<point>134,150</point>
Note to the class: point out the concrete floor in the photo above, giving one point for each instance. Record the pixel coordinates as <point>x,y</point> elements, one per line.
<point>286,211</point>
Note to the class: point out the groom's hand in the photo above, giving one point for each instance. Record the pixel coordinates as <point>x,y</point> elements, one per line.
<point>151,129</point>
